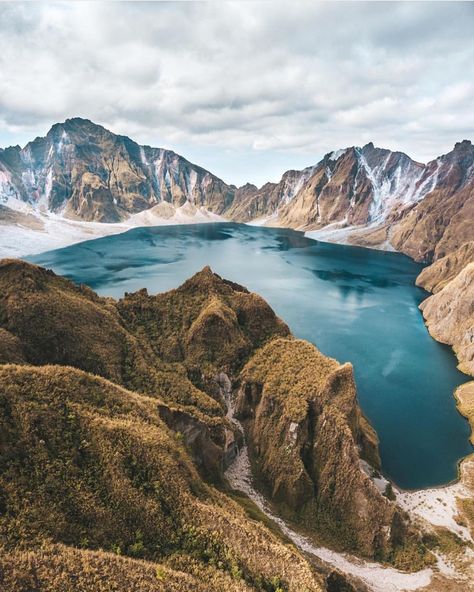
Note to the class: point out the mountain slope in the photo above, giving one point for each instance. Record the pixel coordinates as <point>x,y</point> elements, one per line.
<point>300,407</point>
<point>449,312</point>
<point>356,186</point>
<point>114,478</point>
<point>449,315</point>
<point>443,221</point>
<point>82,170</point>
<point>437,275</point>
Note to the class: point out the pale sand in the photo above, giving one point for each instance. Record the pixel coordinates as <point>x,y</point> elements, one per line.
<point>54,232</point>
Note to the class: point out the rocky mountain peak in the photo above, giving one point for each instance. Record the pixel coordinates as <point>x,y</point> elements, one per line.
<point>463,145</point>
<point>207,282</point>
<point>82,170</point>
<point>77,124</point>
<point>248,187</point>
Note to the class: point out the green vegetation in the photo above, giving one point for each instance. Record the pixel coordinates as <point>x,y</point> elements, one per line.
<point>412,555</point>
<point>389,493</point>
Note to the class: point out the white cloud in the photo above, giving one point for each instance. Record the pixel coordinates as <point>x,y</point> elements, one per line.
<point>223,82</point>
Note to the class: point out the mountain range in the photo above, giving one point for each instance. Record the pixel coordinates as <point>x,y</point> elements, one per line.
<point>367,196</point>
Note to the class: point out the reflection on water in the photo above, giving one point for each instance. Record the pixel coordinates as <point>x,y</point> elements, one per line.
<point>356,279</point>
<point>355,304</point>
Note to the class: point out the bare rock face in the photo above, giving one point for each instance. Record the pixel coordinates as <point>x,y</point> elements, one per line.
<point>354,187</point>
<point>308,437</point>
<point>449,315</point>
<point>442,221</point>
<point>465,399</point>
<point>377,198</point>
<point>251,203</point>
<point>348,188</point>
<point>437,275</point>
<point>84,171</point>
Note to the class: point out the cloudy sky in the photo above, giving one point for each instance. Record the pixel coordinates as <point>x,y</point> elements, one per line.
<point>246,89</point>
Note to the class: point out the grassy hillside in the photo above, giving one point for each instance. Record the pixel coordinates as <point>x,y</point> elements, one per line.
<point>90,465</point>
<point>114,439</point>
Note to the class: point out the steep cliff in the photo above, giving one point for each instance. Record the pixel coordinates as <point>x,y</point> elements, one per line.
<point>442,221</point>
<point>449,315</point>
<point>355,187</point>
<point>308,438</point>
<point>436,276</point>
<point>116,468</point>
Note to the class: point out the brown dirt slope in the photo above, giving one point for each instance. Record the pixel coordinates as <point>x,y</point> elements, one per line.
<point>449,315</point>
<point>437,275</point>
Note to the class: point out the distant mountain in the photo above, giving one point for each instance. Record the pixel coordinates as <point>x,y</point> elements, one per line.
<point>444,219</point>
<point>377,198</point>
<point>350,186</point>
<point>82,170</point>
<point>367,196</point>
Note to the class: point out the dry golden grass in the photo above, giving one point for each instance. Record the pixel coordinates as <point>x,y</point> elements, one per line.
<point>206,322</point>
<point>113,477</point>
<point>307,436</point>
<point>58,568</point>
<point>82,433</point>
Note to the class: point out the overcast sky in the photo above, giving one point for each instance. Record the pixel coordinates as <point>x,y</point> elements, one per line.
<point>245,89</point>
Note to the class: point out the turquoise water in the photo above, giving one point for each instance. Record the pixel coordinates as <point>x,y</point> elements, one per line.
<point>355,304</point>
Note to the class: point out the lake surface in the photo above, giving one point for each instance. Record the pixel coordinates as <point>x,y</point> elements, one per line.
<point>355,304</point>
